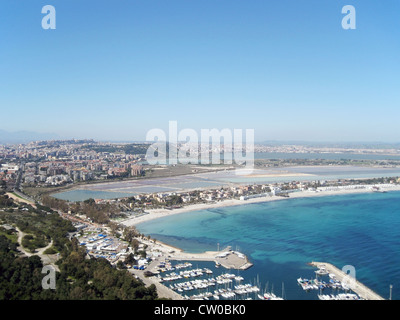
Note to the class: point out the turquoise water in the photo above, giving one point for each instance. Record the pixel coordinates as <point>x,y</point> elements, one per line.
<point>281,237</point>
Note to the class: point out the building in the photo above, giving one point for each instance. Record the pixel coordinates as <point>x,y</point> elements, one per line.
<point>137,170</point>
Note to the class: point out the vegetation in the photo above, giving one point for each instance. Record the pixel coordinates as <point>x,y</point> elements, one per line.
<point>174,200</point>
<point>10,234</point>
<point>97,279</point>
<point>6,201</point>
<point>31,242</point>
<point>79,278</point>
<point>130,234</point>
<point>99,213</point>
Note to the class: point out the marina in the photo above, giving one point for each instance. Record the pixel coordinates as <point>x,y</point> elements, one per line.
<point>203,284</point>
<point>226,258</point>
<point>279,238</point>
<point>340,280</point>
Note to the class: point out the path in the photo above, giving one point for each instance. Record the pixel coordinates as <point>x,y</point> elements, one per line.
<point>162,291</point>
<point>17,196</point>
<point>46,258</point>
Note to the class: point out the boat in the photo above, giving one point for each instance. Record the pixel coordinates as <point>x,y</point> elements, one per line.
<point>208,271</point>
<point>322,272</point>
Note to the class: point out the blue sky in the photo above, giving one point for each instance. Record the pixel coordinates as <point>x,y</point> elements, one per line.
<point>113,70</point>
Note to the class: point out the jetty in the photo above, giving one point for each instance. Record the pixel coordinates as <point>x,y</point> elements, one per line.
<point>356,286</point>
<point>226,258</point>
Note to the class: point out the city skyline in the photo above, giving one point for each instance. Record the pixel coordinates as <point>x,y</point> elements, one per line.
<point>287,69</point>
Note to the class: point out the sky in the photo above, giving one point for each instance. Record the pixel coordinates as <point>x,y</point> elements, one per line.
<point>113,70</point>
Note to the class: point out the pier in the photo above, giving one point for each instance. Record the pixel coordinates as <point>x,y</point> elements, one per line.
<point>226,258</point>
<point>362,291</point>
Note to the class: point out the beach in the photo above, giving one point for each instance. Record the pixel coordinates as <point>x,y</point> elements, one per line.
<point>307,252</point>
<point>160,213</point>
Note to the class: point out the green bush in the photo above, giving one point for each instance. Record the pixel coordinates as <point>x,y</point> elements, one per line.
<point>50,250</point>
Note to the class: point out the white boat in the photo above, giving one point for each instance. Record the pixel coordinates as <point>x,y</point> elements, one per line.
<point>300,280</point>
<point>322,272</point>
<point>344,286</point>
<point>239,278</point>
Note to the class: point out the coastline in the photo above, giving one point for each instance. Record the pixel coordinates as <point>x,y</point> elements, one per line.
<point>178,254</point>
<point>160,213</point>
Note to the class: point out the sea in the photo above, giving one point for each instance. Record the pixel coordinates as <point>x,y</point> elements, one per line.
<point>281,237</point>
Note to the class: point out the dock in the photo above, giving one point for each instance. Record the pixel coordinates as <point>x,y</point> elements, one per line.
<point>233,260</point>
<point>226,258</point>
<point>359,288</point>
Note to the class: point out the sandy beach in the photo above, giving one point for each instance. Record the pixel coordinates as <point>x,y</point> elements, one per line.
<point>177,254</point>
<point>159,213</point>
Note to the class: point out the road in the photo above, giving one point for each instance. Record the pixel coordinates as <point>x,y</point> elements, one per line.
<point>46,258</point>
<point>162,291</point>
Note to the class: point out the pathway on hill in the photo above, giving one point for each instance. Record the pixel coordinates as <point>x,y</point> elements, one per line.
<point>47,259</point>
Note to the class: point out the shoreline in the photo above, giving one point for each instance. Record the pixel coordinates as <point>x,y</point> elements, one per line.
<point>111,185</point>
<point>177,254</point>
<point>160,213</point>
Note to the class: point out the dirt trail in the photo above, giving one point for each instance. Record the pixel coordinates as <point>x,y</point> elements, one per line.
<point>46,259</point>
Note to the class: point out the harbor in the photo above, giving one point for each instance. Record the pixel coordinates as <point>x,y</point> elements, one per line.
<point>338,280</point>
<point>202,283</point>
<point>226,258</point>
<point>205,280</point>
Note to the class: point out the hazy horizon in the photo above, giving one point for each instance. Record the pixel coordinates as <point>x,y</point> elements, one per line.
<point>24,136</point>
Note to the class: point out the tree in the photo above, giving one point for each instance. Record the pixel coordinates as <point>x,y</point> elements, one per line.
<point>142,253</point>
<point>89,201</point>
<point>134,244</point>
<point>114,227</point>
<point>130,260</point>
<point>130,233</point>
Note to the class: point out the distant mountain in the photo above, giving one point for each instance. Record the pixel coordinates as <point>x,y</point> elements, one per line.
<point>25,136</point>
